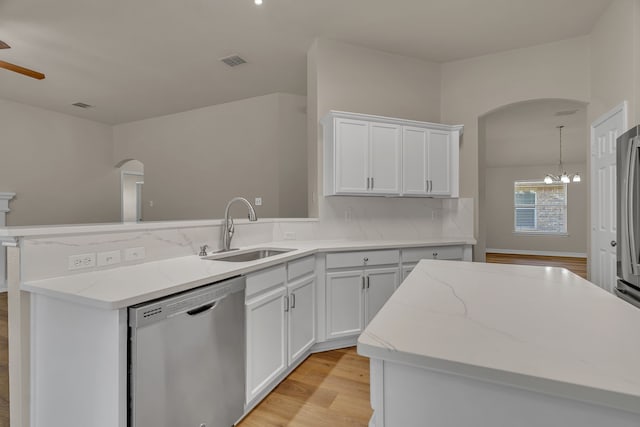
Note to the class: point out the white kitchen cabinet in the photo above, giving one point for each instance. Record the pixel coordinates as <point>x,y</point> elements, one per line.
<point>354,296</point>
<point>380,285</point>
<point>280,322</point>
<point>426,160</point>
<point>367,157</point>
<point>377,156</point>
<point>302,317</point>
<point>266,340</point>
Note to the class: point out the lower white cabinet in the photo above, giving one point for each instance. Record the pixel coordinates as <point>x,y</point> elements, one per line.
<point>302,317</point>
<point>354,297</point>
<point>280,322</point>
<point>266,324</point>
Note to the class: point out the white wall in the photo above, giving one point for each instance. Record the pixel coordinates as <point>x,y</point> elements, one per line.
<point>356,79</point>
<point>60,167</point>
<point>500,222</point>
<point>196,161</point>
<point>474,87</point>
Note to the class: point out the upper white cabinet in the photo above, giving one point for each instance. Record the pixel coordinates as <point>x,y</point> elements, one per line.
<point>380,156</point>
<point>367,157</point>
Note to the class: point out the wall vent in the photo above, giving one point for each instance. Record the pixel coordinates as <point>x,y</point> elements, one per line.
<point>233,60</point>
<point>82,105</point>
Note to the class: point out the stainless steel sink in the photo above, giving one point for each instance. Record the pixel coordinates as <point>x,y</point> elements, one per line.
<point>249,255</point>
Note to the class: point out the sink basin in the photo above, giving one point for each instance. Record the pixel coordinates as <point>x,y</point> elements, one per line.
<point>250,255</point>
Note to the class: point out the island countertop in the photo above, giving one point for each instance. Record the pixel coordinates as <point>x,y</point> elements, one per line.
<point>542,329</point>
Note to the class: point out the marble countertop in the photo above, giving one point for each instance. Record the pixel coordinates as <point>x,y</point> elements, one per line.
<point>116,288</point>
<point>539,328</point>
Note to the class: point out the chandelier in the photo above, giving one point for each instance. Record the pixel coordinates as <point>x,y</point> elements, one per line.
<point>562,176</point>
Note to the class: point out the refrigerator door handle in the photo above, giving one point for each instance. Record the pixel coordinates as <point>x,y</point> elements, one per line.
<point>630,220</point>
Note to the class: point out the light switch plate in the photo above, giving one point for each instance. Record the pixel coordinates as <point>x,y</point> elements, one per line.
<point>134,254</point>
<point>108,258</point>
<point>258,201</point>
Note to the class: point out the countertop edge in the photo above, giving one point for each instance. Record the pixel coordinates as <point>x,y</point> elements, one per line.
<point>547,386</point>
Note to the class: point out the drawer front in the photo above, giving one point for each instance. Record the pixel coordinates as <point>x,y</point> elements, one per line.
<point>362,258</point>
<point>265,279</point>
<point>301,267</point>
<point>433,252</point>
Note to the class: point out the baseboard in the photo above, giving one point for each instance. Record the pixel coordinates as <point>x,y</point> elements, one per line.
<point>334,344</point>
<point>539,253</point>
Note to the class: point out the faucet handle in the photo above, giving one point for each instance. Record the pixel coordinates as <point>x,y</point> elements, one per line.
<point>203,250</point>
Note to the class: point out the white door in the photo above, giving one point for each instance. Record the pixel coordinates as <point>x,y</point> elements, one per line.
<point>604,132</point>
<point>439,163</point>
<point>345,309</point>
<point>352,156</point>
<point>414,160</point>
<point>302,317</point>
<point>384,158</point>
<point>266,340</point>
<point>380,285</point>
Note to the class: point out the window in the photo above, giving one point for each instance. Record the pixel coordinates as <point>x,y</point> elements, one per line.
<point>540,207</point>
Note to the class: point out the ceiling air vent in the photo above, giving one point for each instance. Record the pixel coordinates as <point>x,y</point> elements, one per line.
<point>233,60</point>
<point>82,105</point>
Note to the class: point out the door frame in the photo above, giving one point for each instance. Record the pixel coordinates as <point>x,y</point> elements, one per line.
<point>593,210</point>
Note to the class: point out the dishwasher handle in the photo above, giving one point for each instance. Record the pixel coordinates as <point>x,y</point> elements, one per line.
<point>202,308</point>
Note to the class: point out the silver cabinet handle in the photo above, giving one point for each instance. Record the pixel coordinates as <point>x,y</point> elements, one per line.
<point>363,283</point>
<point>365,259</point>
<point>286,304</point>
<point>614,243</point>
<point>293,301</point>
<point>435,255</point>
<point>367,282</point>
<point>368,183</point>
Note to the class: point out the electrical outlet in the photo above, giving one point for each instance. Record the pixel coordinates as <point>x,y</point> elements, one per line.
<point>108,258</point>
<point>134,254</point>
<point>78,262</point>
<point>258,201</point>
<point>289,235</point>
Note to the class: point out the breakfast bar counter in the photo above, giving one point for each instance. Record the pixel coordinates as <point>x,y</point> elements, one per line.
<point>474,344</point>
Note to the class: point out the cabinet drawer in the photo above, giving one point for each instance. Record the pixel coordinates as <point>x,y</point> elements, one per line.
<point>301,267</point>
<point>433,252</point>
<point>265,279</point>
<point>362,258</point>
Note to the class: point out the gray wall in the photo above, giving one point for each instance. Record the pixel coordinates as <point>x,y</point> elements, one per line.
<point>195,161</point>
<point>60,166</point>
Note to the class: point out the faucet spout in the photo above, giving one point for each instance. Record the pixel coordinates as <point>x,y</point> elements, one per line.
<point>228,228</point>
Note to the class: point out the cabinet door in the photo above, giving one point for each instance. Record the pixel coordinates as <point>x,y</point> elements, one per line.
<point>406,270</point>
<point>302,317</point>
<point>351,156</point>
<point>266,340</point>
<point>380,285</point>
<point>384,155</point>
<point>345,310</point>
<point>414,160</point>
<point>439,162</point>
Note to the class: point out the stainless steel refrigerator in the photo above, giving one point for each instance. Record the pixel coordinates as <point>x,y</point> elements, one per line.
<point>628,216</point>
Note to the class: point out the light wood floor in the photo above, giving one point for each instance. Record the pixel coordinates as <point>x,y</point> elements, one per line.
<point>327,389</point>
<point>576,265</point>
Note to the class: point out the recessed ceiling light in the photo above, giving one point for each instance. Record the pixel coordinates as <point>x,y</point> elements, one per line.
<point>258,2</point>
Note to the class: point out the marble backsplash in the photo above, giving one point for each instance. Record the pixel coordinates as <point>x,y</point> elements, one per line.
<point>341,218</point>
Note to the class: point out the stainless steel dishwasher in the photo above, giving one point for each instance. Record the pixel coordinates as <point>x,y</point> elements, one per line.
<point>186,358</point>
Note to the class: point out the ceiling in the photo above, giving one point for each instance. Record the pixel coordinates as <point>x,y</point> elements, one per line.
<point>145,58</point>
<point>526,134</point>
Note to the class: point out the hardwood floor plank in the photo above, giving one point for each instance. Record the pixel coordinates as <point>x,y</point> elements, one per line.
<point>327,389</point>
<point>575,265</point>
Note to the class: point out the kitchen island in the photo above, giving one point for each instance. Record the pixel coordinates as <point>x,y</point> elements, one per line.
<point>473,344</point>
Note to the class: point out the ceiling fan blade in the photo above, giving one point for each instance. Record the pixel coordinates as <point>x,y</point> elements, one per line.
<point>18,69</point>
<point>3,45</point>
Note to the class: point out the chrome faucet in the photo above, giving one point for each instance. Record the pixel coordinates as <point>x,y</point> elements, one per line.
<point>228,228</point>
